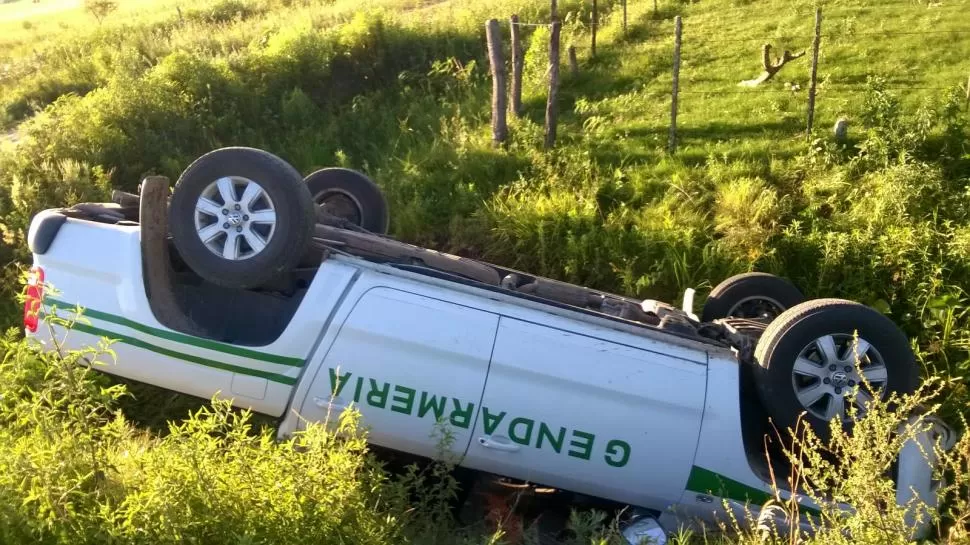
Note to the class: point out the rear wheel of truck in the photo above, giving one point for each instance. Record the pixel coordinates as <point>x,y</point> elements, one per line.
<point>755,296</point>
<point>350,196</point>
<point>240,217</point>
<point>824,356</point>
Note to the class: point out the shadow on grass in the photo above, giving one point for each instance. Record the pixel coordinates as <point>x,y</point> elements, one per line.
<point>697,145</point>
<point>719,130</point>
<point>651,24</point>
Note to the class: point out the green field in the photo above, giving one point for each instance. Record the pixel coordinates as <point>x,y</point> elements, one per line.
<point>400,90</point>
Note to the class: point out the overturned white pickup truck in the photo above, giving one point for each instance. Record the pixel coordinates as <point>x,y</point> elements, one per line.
<point>284,295</point>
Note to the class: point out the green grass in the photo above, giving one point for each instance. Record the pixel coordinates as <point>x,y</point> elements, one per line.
<point>400,90</point>
<point>75,469</point>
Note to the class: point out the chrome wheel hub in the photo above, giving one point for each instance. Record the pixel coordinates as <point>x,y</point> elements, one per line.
<point>839,379</point>
<point>235,218</point>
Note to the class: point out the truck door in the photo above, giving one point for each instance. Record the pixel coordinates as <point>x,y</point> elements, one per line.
<point>406,361</point>
<point>590,415</point>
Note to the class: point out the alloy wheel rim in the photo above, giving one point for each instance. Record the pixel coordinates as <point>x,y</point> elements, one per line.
<point>834,372</point>
<point>235,218</point>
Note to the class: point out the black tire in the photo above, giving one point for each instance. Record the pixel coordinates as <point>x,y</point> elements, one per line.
<point>350,195</point>
<point>284,246</point>
<point>751,295</point>
<point>796,331</point>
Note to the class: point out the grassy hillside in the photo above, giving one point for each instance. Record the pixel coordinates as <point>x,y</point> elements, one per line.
<point>400,90</point>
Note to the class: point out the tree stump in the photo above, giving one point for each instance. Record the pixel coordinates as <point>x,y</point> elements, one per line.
<point>771,68</point>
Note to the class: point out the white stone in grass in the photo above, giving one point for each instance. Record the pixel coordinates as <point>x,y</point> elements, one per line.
<point>841,129</point>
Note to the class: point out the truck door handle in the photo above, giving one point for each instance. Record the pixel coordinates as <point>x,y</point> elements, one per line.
<point>488,442</point>
<point>321,402</point>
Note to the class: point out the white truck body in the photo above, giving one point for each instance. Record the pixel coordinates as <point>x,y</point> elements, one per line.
<point>530,391</point>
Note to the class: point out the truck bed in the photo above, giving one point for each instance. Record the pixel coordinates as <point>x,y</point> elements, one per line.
<point>216,313</point>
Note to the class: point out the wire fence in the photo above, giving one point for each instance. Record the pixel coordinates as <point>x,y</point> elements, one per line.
<point>808,10</point>
<point>886,34</point>
<point>831,87</point>
<point>848,87</point>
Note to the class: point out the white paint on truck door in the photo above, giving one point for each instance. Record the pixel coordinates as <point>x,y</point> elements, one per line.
<point>588,415</point>
<point>406,361</point>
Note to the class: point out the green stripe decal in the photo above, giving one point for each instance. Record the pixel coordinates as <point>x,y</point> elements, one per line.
<point>138,343</point>
<point>179,337</point>
<point>706,481</point>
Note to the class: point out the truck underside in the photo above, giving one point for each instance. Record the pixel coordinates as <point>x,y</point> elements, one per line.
<point>209,310</point>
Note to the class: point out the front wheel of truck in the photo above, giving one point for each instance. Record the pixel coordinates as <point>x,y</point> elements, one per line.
<point>827,359</point>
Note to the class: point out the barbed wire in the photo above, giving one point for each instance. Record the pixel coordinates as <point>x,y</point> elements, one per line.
<point>530,24</point>
<point>738,92</point>
<point>570,24</point>
<point>830,88</point>
<point>825,36</point>
<point>740,40</point>
<point>821,90</point>
<point>686,41</point>
<point>909,33</point>
<point>810,10</point>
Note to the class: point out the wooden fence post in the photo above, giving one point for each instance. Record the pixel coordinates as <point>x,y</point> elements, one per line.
<point>656,10</point>
<point>517,61</point>
<point>552,113</point>
<point>672,142</point>
<point>573,63</point>
<point>499,127</point>
<point>595,25</point>
<point>813,83</point>
<point>968,93</point>
<point>624,16</point>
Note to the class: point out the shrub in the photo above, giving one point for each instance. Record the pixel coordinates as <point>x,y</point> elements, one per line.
<point>100,9</point>
<point>747,215</point>
<point>73,470</point>
<point>224,11</point>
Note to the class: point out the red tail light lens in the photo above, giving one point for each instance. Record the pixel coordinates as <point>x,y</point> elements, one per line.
<point>34,299</point>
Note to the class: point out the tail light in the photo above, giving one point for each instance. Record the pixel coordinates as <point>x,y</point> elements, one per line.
<point>34,299</point>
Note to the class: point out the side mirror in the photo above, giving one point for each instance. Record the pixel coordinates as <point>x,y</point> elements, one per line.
<point>915,488</point>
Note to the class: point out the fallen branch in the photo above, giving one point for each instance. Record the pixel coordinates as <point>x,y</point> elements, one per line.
<point>771,68</point>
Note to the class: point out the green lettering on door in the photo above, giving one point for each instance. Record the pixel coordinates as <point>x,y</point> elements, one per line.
<point>360,383</point>
<point>461,417</point>
<point>433,404</point>
<point>617,453</point>
<point>407,400</point>
<point>526,436</point>
<point>556,442</point>
<point>378,398</point>
<point>491,421</point>
<point>585,446</point>
<point>337,382</point>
